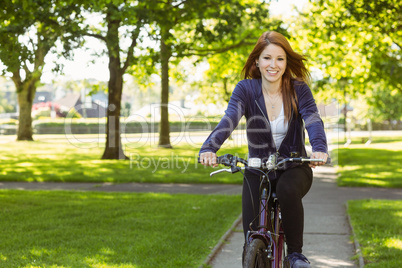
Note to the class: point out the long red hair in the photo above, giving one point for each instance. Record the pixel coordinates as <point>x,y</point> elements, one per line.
<point>295,68</point>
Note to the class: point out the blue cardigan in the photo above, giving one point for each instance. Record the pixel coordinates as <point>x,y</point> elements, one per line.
<point>247,99</point>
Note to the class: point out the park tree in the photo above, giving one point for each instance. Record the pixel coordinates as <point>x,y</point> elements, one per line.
<point>354,47</point>
<point>197,28</point>
<point>29,30</point>
<point>386,104</point>
<point>120,31</point>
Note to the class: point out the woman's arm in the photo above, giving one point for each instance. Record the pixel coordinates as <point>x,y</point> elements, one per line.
<point>313,123</point>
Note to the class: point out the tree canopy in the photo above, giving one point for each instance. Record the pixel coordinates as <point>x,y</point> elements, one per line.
<point>198,28</point>
<point>28,31</point>
<point>355,47</point>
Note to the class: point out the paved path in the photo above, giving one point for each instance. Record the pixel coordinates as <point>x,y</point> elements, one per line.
<point>327,231</point>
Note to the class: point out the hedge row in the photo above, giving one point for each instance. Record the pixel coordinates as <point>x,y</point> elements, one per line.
<point>96,128</point>
<point>131,127</point>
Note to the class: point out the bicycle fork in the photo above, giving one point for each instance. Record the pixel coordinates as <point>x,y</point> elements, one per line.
<point>270,230</point>
<point>264,226</point>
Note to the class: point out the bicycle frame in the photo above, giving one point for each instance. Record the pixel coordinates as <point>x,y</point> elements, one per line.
<point>268,242</point>
<point>270,226</point>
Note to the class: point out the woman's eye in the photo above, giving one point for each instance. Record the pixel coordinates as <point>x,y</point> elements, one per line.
<point>280,59</point>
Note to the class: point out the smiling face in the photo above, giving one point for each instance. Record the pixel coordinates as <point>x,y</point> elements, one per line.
<point>272,63</point>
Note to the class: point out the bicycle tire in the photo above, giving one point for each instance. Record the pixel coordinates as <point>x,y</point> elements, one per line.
<point>256,256</point>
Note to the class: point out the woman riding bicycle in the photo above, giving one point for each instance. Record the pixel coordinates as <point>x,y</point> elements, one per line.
<point>278,104</point>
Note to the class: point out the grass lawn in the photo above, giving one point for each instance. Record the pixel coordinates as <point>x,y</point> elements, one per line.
<point>378,227</point>
<point>376,165</point>
<point>93,229</point>
<point>65,162</point>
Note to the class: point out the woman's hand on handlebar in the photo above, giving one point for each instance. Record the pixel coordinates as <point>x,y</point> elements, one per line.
<point>208,159</point>
<point>318,155</point>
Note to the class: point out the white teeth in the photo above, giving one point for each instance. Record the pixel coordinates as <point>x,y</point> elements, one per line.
<point>272,72</point>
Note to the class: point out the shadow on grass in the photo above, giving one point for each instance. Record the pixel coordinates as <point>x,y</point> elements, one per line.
<point>363,140</point>
<point>40,162</point>
<point>89,229</point>
<point>369,167</point>
<point>379,236</point>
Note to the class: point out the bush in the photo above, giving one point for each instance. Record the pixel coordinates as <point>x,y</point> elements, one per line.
<point>99,127</point>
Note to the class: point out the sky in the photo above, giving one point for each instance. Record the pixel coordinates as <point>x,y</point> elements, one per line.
<point>81,67</point>
<point>284,7</point>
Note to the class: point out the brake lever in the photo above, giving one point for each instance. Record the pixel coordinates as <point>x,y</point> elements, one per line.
<point>230,170</point>
<point>220,171</point>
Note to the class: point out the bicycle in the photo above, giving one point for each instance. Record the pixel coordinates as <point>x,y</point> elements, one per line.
<point>265,247</point>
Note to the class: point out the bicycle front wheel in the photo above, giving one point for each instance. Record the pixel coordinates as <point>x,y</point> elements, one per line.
<point>256,255</point>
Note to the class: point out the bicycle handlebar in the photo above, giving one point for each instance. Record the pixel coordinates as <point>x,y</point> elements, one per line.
<point>231,161</point>
<point>298,160</point>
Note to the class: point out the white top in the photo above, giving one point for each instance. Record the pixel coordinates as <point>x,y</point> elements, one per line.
<point>279,128</point>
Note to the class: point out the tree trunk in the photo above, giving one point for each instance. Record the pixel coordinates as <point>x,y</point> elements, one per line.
<point>113,148</point>
<point>26,93</point>
<point>164,129</point>
<point>26,88</point>
<point>345,114</point>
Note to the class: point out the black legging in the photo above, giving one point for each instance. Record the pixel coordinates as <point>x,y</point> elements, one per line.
<point>291,187</point>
